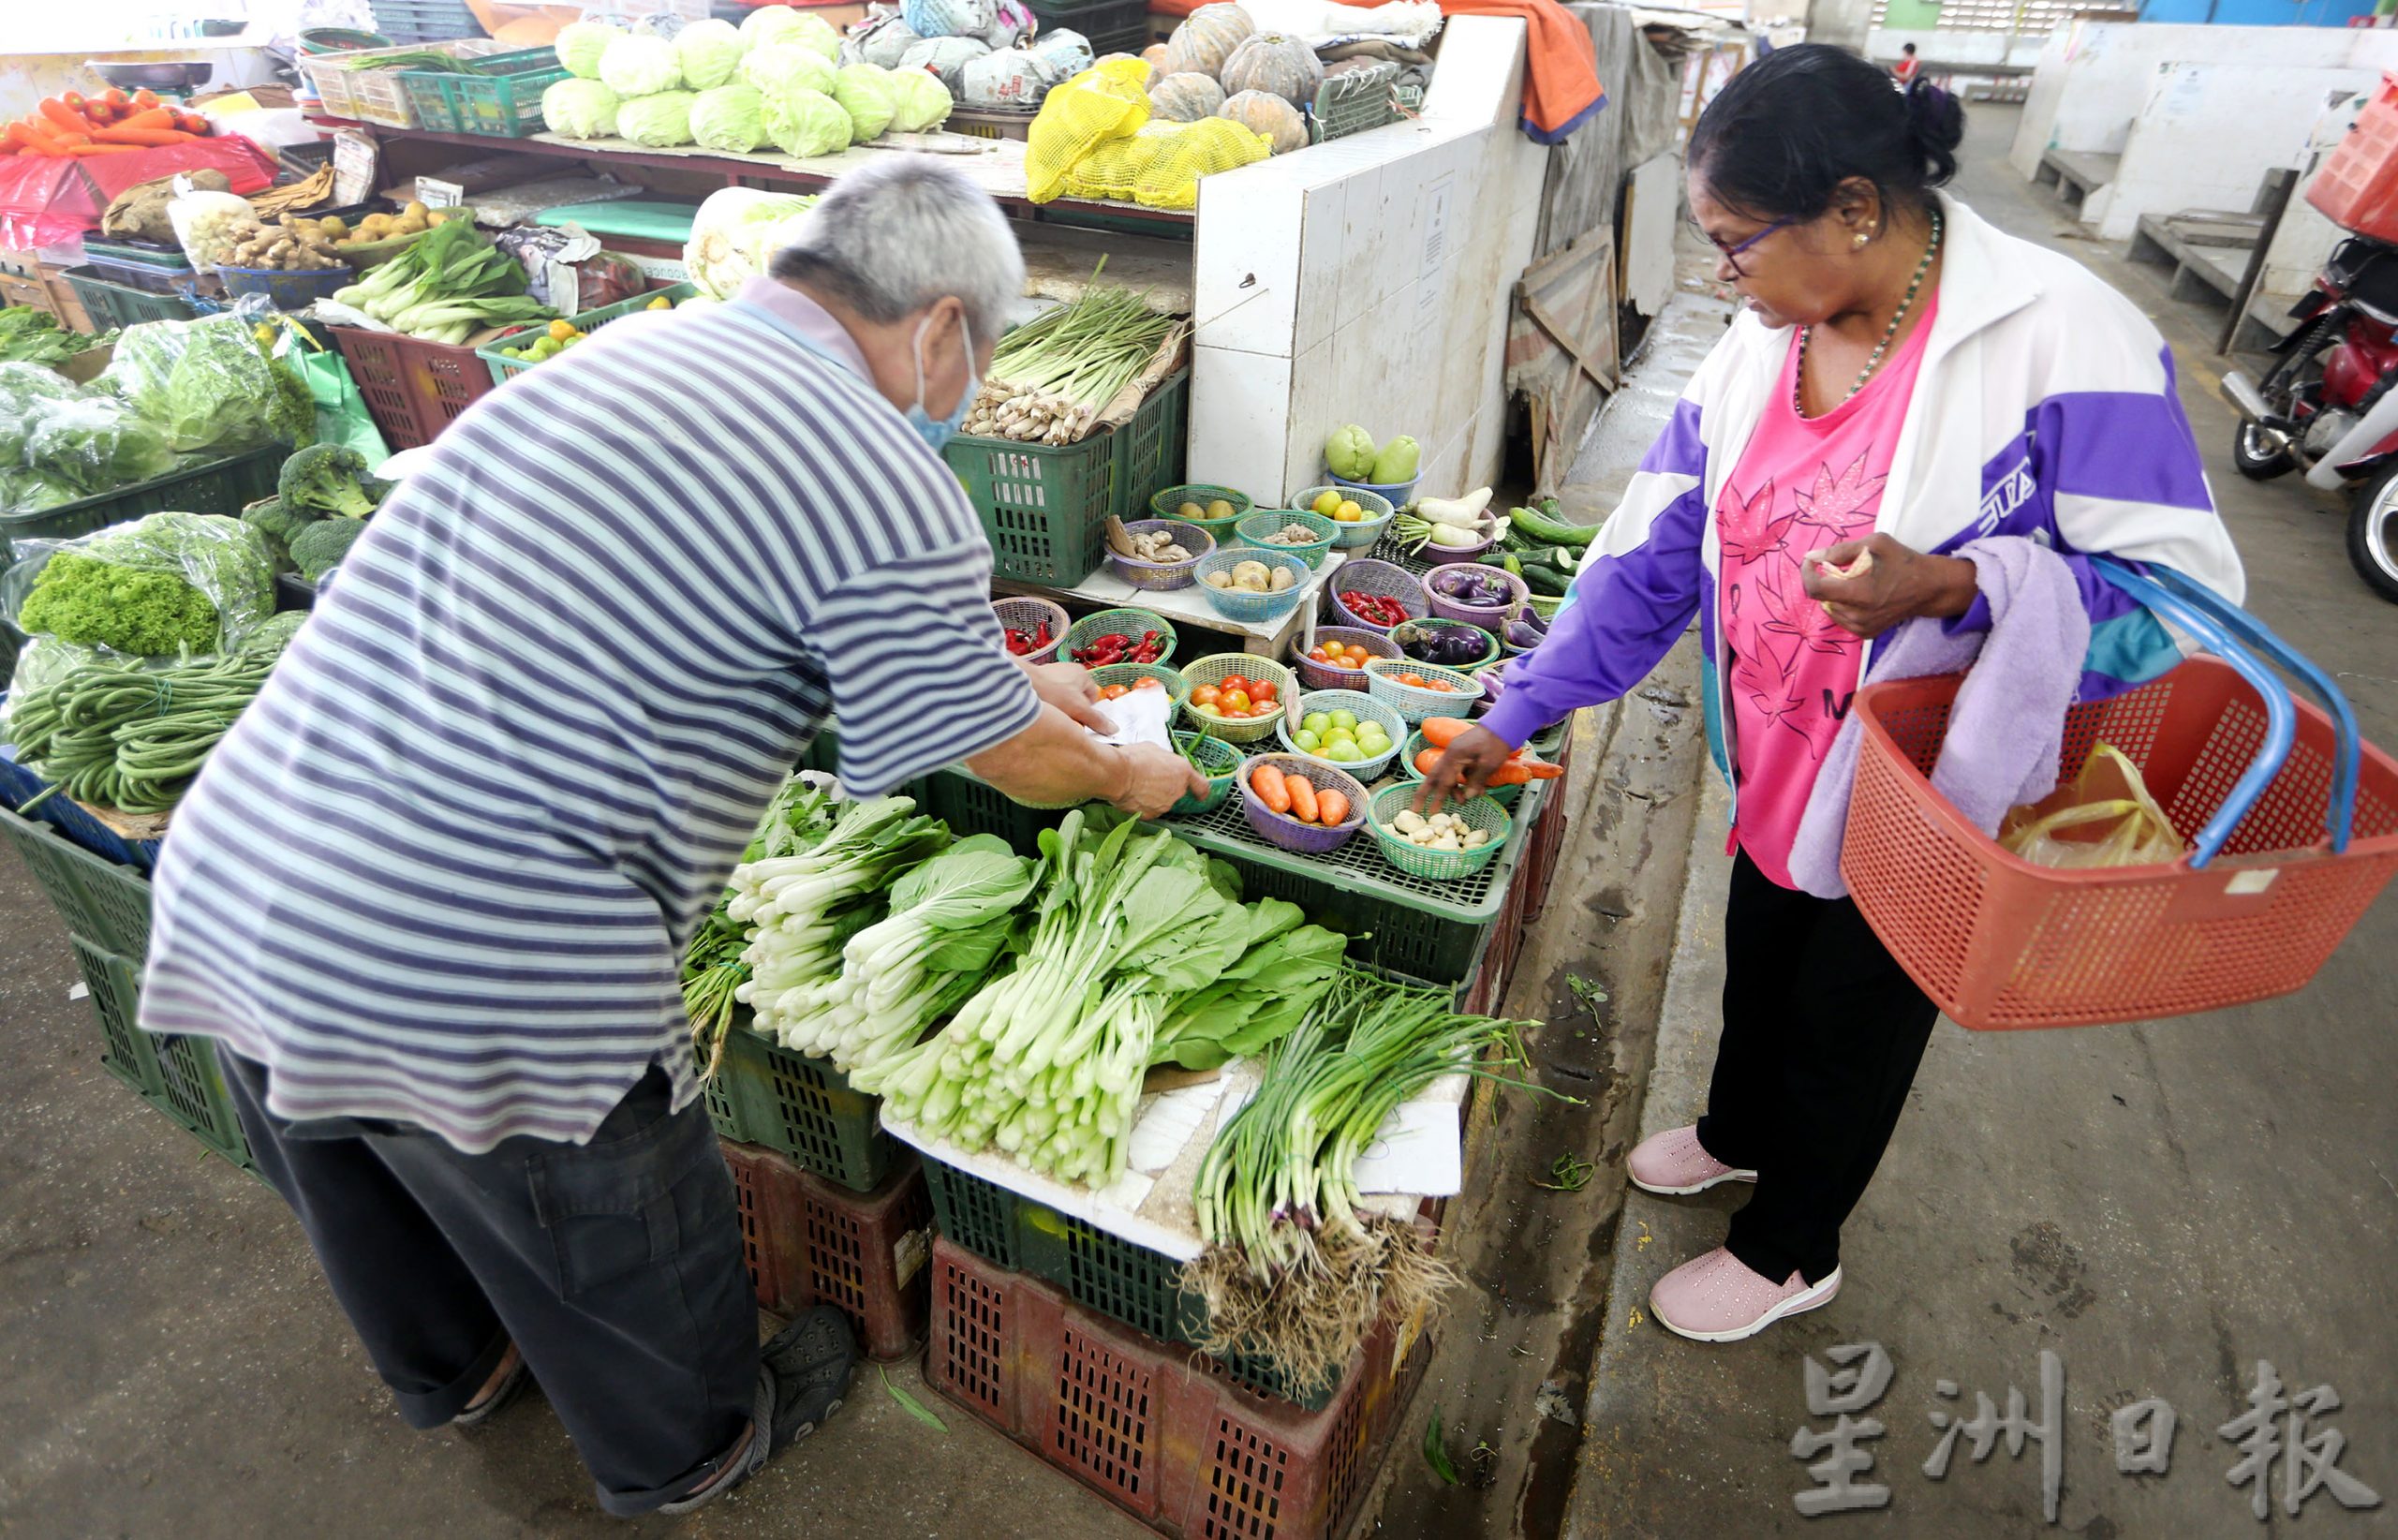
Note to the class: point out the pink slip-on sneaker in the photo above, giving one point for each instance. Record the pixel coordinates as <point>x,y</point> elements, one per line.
<point>1675,1165</point>
<point>1716,1298</point>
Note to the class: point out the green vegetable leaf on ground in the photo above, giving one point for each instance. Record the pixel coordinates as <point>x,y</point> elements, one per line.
<point>909,1405</point>
<point>1436,1451</point>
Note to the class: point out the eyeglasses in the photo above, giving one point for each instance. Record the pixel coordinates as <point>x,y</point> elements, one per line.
<point>1731,254</point>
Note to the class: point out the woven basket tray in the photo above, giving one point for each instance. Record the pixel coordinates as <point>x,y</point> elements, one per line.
<point>1289,833</point>
<point>1414,704</point>
<point>1024,615</point>
<point>1492,618</point>
<point>1219,761</point>
<point>1240,603</point>
<point>1317,675</point>
<point>1353,537</point>
<point>1159,577</point>
<point>1132,674</point>
<point>1438,865</point>
<point>1214,671</point>
<point>1168,505</point>
<point>1371,576</point>
<point>1365,708</point>
<point>1134,623</point>
<point>1255,529</point>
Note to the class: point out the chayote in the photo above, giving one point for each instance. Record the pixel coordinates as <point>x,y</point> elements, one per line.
<point>1396,462</point>
<point>1350,452</point>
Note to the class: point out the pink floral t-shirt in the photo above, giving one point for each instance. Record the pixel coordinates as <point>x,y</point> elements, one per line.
<point>1803,484</point>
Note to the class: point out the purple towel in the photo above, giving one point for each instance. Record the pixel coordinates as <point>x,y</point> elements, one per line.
<point>2008,725</point>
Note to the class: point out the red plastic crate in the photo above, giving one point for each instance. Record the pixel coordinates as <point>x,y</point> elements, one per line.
<point>1161,1431</point>
<point>2358,187</point>
<point>413,389</point>
<point>808,1242</point>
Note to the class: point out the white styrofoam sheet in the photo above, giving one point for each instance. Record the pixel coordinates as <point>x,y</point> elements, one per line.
<point>1419,1153</point>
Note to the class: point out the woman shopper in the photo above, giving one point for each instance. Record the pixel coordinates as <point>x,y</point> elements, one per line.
<point>1903,379</point>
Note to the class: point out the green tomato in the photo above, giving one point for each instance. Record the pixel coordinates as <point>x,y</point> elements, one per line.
<point>1374,743</point>
<point>1305,741</point>
<point>1317,722</point>
<point>1342,751</point>
<point>1339,734</point>
<point>1345,718</point>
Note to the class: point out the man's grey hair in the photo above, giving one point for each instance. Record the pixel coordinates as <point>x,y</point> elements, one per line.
<point>895,236</point>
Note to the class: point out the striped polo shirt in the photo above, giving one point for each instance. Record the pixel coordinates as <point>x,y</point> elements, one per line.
<point>443,869</point>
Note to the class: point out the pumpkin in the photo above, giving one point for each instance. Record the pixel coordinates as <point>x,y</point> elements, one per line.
<point>1272,62</point>
<point>1264,112</point>
<point>1155,55</point>
<point>1205,39</point>
<point>1186,98</point>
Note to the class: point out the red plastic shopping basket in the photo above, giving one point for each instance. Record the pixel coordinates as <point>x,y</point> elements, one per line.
<point>2302,815</point>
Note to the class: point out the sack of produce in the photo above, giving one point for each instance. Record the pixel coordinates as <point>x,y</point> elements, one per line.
<point>918,101</point>
<point>775,26</point>
<point>638,65</point>
<point>1063,54</point>
<point>210,384</point>
<point>209,225</point>
<point>139,212</point>
<point>580,45</point>
<point>786,67</point>
<point>1014,23</point>
<point>51,449</point>
<point>879,41</point>
<point>949,18</point>
<point>1013,78</point>
<point>737,230</point>
<point>2106,818</point>
<point>945,57</point>
<point>160,585</point>
<point>580,108</point>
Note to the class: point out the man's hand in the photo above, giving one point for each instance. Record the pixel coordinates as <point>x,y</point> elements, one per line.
<point>1469,761</point>
<point>1886,583</point>
<point>1154,780</point>
<point>1068,687</point>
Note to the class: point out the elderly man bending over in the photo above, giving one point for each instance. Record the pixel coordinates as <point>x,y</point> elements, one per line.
<point>431,892</point>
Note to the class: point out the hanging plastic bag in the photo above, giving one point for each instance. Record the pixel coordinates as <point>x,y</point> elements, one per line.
<point>2106,818</point>
<point>209,225</point>
<point>342,416</point>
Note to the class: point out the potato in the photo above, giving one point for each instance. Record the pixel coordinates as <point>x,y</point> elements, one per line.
<point>1220,580</point>
<point>1280,580</point>
<point>1190,510</point>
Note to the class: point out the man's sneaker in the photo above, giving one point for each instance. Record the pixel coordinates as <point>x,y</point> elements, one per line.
<point>1675,1165</point>
<point>803,1372</point>
<point>1716,1298</point>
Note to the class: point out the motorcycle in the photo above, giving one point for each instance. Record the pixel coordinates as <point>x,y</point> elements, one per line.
<point>2330,403</point>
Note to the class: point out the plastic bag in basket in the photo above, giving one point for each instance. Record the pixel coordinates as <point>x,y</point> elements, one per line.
<point>1101,103</point>
<point>2106,818</point>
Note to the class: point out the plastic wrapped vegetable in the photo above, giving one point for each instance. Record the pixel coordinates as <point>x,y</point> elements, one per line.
<point>918,101</point>
<point>731,118</point>
<point>96,443</point>
<point>660,121</point>
<point>738,228</point>
<point>949,18</point>
<point>580,108</point>
<point>1064,53</point>
<point>879,41</point>
<point>580,45</point>
<point>786,67</point>
<point>946,57</point>
<point>638,65</point>
<point>865,93</point>
<point>708,52</point>
<point>775,26</point>
<point>24,389</point>
<point>150,587</point>
<point>1012,78</point>
<point>210,384</point>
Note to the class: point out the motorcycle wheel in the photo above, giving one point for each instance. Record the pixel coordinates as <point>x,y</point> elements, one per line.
<point>2372,534</point>
<point>2254,454</point>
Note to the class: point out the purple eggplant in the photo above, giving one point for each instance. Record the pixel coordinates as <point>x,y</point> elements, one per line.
<point>1523,638</point>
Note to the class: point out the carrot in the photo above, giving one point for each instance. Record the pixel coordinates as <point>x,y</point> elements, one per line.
<point>114,96</point>
<point>1302,791</point>
<point>1509,774</point>
<point>1425,762</point>
<point>192,123</point>
<point>1270,787</point>
<point>157,117</point>
<point>136,137</point>
<point>102,149</point>
<point>60,117</point>
<point>146,99</point>
<point>1440,732</point>
<point>1331,808</point>
<point>38,138</point>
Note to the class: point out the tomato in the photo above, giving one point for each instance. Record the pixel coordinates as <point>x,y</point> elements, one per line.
<point>1206,695</point>
<point>1147,682</point>
<point>1231,682</point>
<point>1263,689</point>
<point>1357,654</point>
<point>1317,655</point>
<point>1266,708</point>
<point>1416,680</point>
<point>1113,692</point>
<point>1233,700</point>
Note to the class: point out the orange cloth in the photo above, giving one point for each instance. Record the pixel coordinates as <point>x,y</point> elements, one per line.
<point>1561,71</point>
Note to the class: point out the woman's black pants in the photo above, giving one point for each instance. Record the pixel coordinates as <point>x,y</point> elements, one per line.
<point>1822,1034</point>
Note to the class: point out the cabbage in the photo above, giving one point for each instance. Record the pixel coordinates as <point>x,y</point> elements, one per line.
<point>634,65</point>
<point>708,52</point>
<point>738,229</point>
<point>946,57</point>
<point>865,93</point>
<point>579,109</point>
<point>658,121</point>
<point>949,18</point>
<point>918,101</point>
<point>731,118</point>
<point>581,43</point>
<point>778,25</point>
<point>786,67</point>
<point>807,123</point>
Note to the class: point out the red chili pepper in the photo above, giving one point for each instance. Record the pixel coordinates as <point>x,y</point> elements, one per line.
<point>1041,636</point>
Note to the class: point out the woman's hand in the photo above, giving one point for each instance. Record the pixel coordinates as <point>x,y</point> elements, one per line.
<point>1882,583</point>
<point>1470,761</point>
<point>1068,687</point>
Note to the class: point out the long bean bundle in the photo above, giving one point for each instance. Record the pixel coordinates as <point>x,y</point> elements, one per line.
<point>1052,376</point>
<point>1294,1271</point>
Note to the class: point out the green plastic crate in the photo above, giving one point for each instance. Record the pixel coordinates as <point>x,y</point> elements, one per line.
<point>1100,1271</point>
<point>114,986</point>
<point>503,368</point>
<point>209,486</point>
<point>105,904</point>
<point>178,1075</point>
<point>802,1107</point>
<point>1044,507</point>
<point>113,305</point>
<point>717,1094</point>
<point>501,98</point>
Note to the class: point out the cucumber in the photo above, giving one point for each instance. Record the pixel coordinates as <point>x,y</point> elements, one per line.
<point>1546,580</point>
<point>1505,560</point>
<point>1548,531</point>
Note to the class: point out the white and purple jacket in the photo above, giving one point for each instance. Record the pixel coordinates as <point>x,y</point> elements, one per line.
<point>2044,409</point>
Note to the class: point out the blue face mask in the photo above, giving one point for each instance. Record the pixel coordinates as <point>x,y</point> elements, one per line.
<point>934,434</point>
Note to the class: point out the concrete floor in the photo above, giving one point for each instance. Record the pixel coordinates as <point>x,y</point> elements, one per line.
<point>2162,1205</point>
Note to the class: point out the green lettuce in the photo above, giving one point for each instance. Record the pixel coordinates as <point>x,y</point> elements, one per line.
<point>658,121</point>
<point>731,118</point>
<point>579,109</point>
<point>864,93</point>
<point>786,67</point>
<point>708,52</point>
<point>807,123</point>
<point>210,385</point>
<point>581,43</point>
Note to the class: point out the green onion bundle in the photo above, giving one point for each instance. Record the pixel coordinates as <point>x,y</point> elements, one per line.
<point>1294,1272</point>
<point>1051,377</point>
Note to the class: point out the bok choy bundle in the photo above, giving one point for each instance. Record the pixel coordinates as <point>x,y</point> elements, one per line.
<point>448,285</point>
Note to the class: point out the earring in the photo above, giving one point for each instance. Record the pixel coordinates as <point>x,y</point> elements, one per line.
<point>1862,236</point>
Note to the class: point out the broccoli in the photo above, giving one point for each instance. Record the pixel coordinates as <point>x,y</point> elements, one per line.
<point>326,479</point>
<point>103,604</point>
<point>278,520</point>
<point>318,549</point>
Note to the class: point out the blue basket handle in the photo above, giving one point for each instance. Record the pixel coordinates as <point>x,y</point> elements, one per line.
<point>2212,620</point>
